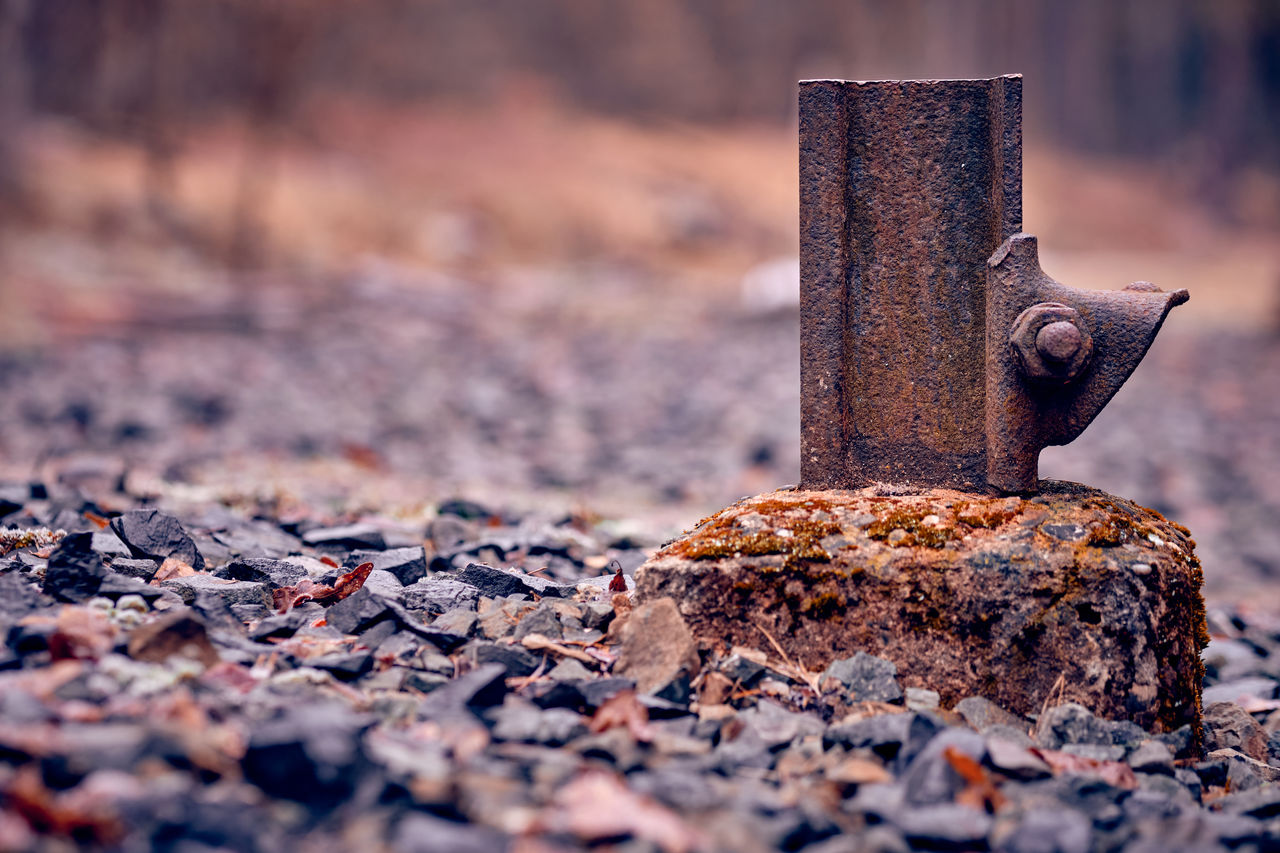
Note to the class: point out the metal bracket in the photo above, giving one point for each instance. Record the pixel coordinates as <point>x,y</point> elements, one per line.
<point>1055,356</point>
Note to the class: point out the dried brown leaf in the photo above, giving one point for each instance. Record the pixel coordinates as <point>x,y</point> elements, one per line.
<point>623,710</point>
<point>980,790</point>
<point>541,643</point>
<point>70,815</point>
<point>171,568</point>
<point>82,634</point>
<point>598,806</point>
<point>97,520</point>
<point>859,771</point>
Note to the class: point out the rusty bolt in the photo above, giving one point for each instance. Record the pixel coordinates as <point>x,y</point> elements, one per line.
<point>1051,342</point>
<point>1058,341</point>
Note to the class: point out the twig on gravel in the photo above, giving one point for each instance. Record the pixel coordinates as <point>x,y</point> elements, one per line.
<point>810,678</point>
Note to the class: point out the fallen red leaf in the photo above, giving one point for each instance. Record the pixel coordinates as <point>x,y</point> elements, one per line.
<point>1112,772</point>
<point>619,583</point>
<point>285,598</point>
<point>350,582</point>
<point>329,561</point>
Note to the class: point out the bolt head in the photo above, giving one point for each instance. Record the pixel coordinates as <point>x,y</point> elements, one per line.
<point>1058,341</point>
<point>1051,343</point>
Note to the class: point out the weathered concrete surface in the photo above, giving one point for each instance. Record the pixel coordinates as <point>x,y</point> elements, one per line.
<point>1074,595</point>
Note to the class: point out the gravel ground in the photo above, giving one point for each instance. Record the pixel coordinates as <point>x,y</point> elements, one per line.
<point>153,696</point>
<point>227,680</point>
<point>609,396</point>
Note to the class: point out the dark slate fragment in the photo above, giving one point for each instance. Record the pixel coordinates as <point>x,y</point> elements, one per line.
<point>884,734</point>
<point>258,539</point>
<point>558,694</point>
<point>867,678</point>
<point>345,666</point>
<point>944,826</point>
<point>1043,830</point>
<point>596,616</point>
<point>18,598</point>
<point>597,691</point>
<point>482,687</point>
<point>441,636</point>
<point>115,585</point>
<point>75,570</point>
<point>217,612</point>
<point>1228,726</point>
<point>741,669</point>
<point>143,570</point>
<point>521,720</point>
<point>1212,773</point>
<point>409,565</point>
<point>1179,741</point>
<point>439,594</point>
<point>108,544</point>
<point>494,583</point>
<point>449,532</point>
<point>516,660</point>
<point>981,713</point>
<point>1071,723</point>
<point>263,570</point>
<point>470,510</point>
<point>232,592</point>
<point>350,537</point>
<point>156,536</point>
<point>312,754</point>
<point>930,778</point>
<point>1152,757</point>
<point>1261,803</point>
<point>421,833</point>
<point>777,726</point>
<point>286,624</point>
<point>542,620</point>
<point>12,499</point>
<point>358,612</point>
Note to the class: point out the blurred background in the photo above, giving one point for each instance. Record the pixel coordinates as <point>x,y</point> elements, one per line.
<point>543,252</point>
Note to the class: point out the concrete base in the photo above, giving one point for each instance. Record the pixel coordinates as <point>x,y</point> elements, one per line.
<point>1074,595</point>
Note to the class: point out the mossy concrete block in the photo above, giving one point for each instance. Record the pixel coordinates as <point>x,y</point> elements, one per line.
<point>1074,595</point>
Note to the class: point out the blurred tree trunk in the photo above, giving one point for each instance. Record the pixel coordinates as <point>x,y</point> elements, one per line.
<point>13,106</point>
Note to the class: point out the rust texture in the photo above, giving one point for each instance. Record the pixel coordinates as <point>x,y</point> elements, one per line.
<point>918,364</point>
<point>1037,397</point>
<point>906,188</point>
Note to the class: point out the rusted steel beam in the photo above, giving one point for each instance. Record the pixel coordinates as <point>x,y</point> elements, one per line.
<point>920,362</point>
<point>906,188</point>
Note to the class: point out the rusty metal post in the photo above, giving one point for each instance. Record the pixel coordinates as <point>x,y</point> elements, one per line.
<point>906,188</point>
<point>933,349</point>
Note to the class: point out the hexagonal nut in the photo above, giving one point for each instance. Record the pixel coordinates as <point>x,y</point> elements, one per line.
<point>1051,342</point>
